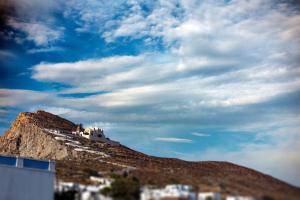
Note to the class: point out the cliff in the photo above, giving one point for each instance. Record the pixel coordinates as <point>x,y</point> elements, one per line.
<point>26,136</point>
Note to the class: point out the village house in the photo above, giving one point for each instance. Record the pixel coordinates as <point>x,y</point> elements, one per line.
<point>105,182</point>
<point>174,192</point>
<point>209,195</point>
<point>85,192</point>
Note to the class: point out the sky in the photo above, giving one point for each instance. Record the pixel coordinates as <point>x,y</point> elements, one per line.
<point>195,80</point>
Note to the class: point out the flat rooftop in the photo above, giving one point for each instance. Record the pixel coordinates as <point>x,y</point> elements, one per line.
<point>20,162</point>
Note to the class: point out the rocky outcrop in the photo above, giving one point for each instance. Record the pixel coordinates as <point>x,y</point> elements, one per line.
<point>44,119</point>
<point>26,136</point>
<point>43,135</point>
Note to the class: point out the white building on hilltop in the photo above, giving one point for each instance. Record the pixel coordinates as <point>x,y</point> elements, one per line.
<point>96,134</point>
<point>169,192</point>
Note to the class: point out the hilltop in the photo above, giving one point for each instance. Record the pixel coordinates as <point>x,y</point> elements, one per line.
<point>43,135</point>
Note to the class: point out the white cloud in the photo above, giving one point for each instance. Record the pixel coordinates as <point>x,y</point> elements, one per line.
<point>37,32</point>
<point>45,50</point>
<point>22,98</point>
<point>32,20</point>
<point>139,24</point>
<point>83,72</point>
<point>172,139</point>
<point>212,51</point>
<point>200,134</point>
<point>94,16</point>
<point>141,80</point>
<point>54,110</point>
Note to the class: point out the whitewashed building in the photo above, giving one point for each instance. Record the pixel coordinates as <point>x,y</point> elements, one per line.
<point>26,179</point>
<point>105,182</point>
<point>239,198</point>
<point>209,195</point>
<point>177,191</point>
<point>96,134</point>
<point>85,192</point>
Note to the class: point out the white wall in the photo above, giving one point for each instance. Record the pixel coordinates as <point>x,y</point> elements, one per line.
<point>212,195</point>
<point>25,184</point>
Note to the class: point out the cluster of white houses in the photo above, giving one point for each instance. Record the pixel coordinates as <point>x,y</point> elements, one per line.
<point>86,192</point>
<point>184,192</point>
<point>177,191</point>
<point>169,192</point>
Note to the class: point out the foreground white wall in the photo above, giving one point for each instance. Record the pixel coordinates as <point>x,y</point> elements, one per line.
<point>25,184</point>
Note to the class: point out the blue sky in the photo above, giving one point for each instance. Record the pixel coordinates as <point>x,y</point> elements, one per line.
<point>197,80</point>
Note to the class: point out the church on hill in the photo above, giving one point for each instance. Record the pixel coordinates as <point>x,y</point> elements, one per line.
<point>95,133</point>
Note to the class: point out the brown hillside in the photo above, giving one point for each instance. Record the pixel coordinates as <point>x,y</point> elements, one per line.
<point>33,135</point>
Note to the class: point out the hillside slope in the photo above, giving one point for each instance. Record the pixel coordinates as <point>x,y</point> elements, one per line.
<point>46,136</point>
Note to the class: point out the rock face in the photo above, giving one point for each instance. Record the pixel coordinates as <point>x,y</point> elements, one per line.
<point>46,136</point>
<point>27,138</point>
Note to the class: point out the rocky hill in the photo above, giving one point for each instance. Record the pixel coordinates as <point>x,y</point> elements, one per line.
<point>46,136</point>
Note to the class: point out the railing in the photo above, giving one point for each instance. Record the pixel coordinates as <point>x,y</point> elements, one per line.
<point>27,163</point>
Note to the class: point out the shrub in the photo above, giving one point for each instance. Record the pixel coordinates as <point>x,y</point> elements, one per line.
<point>106,191</point>
<point>125,188</point>
<point>267,198</point>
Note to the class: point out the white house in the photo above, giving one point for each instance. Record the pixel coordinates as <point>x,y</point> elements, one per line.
<point>105,182</point>
<point>26,179</point>
<point>170,191</point>
<point>209,195</point>
<point>239,198</point>
<point>150,194</point>
<point>86,192</point>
